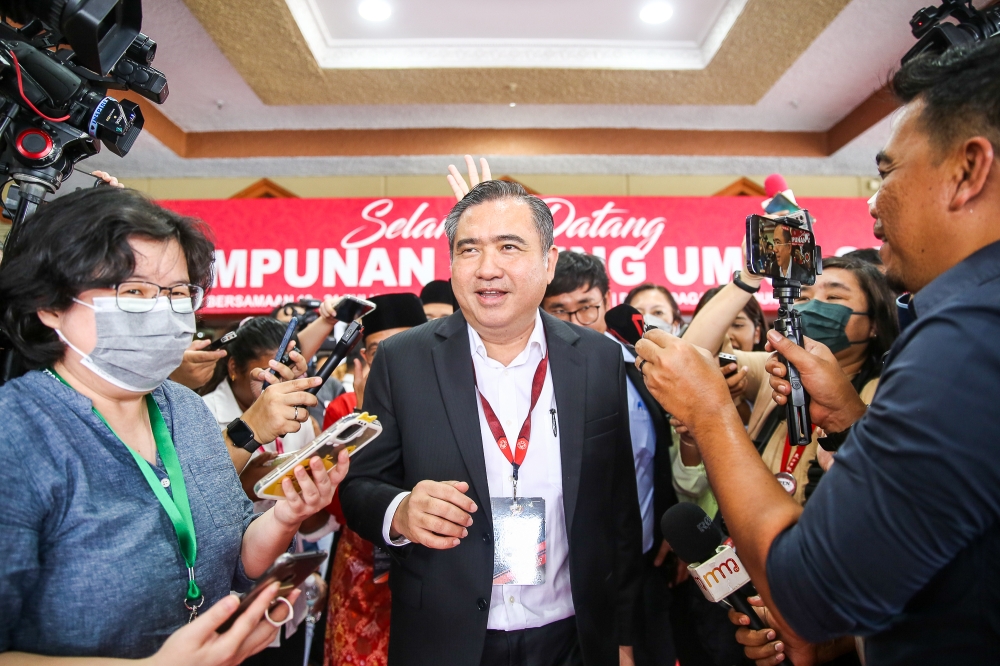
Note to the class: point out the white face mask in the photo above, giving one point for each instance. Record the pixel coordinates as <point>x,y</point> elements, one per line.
<point>136,351</point>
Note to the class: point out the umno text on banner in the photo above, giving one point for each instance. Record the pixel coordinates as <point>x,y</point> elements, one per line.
<point>270,251</point>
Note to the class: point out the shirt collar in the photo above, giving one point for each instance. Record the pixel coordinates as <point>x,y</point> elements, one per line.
<point>536,342</point>
<point>226,407</point>
<point>974,271</point>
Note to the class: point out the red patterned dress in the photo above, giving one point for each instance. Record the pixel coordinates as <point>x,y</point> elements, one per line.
<point>357,631</point>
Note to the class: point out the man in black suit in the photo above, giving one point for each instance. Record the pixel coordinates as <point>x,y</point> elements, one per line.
<point>580,294</point>
<point>787,266</point>
<point>437,486</point>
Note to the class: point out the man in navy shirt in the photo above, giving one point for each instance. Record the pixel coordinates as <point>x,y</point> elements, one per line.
<point>899,540</point>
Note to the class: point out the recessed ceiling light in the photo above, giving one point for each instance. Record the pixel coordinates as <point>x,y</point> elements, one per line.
<point>374,10</point>
<point>656,12</point>
<point>513,104</point>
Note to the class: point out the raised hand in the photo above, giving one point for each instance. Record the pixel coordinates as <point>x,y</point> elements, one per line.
<point>282,408</point>
<point>456,181</point>
<point>198,365</point>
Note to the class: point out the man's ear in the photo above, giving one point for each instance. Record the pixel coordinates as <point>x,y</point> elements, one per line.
<point>975,159</point>
<point>550,263</point>
<point>364,355</point>
<point>607,300</point>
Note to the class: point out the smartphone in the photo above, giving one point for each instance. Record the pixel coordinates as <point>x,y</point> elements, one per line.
<point>353,432</point>
<point>728,359</point>
<point>350,308</point>
<point>222,342</point>
<point>281,356</point>
<point>290,569</point>
<point>783,247</point>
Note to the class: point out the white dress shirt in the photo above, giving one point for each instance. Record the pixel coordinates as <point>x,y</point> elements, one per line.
<point>643,450</point>
<point>508,390</point>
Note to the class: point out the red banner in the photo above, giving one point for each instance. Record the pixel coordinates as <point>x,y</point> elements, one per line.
<point>271,251</point>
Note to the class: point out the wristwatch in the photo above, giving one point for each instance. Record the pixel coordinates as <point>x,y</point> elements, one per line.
<point>743,285</point>
<point>242,435</point>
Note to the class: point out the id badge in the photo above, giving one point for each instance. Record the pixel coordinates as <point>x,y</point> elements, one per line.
<point>519,540</point>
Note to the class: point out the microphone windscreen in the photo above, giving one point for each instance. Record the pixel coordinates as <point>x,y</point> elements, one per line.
<point>774,184</point>
<point>625,323</point>
<point>690,532</point>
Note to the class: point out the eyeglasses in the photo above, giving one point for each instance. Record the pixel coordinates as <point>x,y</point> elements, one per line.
<point>141,297</point>
<point>586,315</point>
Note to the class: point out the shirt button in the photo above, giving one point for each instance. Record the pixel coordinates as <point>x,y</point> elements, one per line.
<point>165,483</point>
<point>481,603</point>
<point>486,538</point>
<point>512,600</point>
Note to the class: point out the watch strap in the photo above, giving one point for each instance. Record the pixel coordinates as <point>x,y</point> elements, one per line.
<point>242,435</point>
<point>743,285</point>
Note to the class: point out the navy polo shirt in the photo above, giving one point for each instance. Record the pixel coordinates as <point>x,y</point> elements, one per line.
<point>900,541</point>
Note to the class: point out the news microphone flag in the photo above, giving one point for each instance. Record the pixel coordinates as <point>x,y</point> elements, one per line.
<point>720,575</point>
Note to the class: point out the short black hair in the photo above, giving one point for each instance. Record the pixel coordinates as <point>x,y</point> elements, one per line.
<point>497,190</point>
<point>80,242</point>
<point>576,270</point>
<point>960,89</point>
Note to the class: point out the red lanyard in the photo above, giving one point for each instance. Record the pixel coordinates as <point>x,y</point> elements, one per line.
<point>516,457</point>
<point>790,461</point>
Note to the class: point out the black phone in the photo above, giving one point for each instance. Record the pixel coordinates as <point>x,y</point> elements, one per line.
<point>728,359</point>
<point>281,356</point>
<point>290,569</point>
<point>222,342</point>
<point>351,308</point>
<point>783,247</point>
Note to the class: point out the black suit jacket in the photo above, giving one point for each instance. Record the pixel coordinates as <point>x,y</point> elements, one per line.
<point>664,495</point>
<point>421,387</point>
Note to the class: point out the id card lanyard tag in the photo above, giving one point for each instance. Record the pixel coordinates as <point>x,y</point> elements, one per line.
<point>518,522</point>
<point>177,506</point>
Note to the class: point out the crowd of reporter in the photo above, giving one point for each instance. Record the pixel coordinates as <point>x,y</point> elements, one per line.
<point>100,300</point>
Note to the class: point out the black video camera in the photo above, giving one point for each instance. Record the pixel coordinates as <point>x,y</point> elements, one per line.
<point>58,59</point>
<point>971,25</point>
<point>784,249</point>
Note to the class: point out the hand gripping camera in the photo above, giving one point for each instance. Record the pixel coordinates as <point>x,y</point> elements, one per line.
<point>784,250</point>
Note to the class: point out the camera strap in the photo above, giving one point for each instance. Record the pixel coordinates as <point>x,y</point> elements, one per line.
<point>177,507</point>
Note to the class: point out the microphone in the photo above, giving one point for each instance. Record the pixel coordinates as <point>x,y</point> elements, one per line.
<point>713,564</point>
<point>626,324</point>
<point>344,346</point>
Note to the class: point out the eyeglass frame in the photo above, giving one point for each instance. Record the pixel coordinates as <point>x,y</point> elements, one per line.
<point>194,288</point>
<point>575,313</point>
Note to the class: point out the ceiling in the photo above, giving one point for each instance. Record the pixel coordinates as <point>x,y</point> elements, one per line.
<point>307,87</point>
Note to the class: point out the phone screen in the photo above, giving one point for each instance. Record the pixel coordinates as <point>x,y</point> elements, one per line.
<point>780,250</point>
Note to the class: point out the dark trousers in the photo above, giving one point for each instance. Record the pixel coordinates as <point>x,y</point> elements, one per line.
<point>703,633</point>
<point>554,644</point>
<point>655,644</point>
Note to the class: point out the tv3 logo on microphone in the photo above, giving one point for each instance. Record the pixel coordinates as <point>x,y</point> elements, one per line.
<point>721,575</point>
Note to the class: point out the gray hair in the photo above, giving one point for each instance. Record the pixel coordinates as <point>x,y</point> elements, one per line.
<point>496,190</point>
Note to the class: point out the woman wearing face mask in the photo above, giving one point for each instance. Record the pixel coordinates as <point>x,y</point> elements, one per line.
<point>850,309</point>
<point>124,525</point>
<point>656,301</point>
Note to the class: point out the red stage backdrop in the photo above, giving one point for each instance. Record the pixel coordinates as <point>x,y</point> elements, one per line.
<point>270,251</point>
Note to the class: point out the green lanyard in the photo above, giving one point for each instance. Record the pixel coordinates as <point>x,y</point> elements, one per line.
<point>177,508</point>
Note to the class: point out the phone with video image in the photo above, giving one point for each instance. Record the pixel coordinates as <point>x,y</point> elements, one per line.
<point>783,247</point>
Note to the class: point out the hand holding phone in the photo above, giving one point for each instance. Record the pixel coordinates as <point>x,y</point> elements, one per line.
<point>289,571</point>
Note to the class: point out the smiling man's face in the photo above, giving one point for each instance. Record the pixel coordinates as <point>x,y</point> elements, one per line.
<point>912,204</point>
<point>499,268</point>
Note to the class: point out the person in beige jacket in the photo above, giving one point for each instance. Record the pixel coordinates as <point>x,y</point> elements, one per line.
<point>850,309</point>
